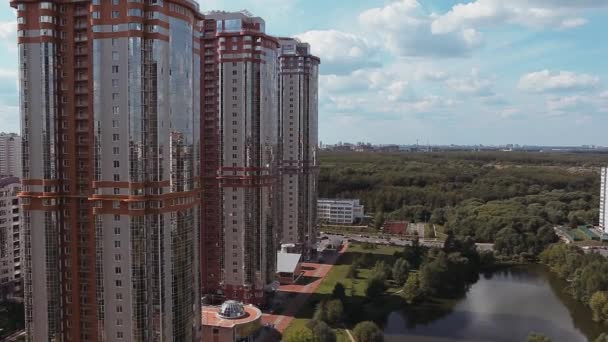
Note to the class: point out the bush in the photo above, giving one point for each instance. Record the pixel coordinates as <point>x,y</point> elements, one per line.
<point>368,332</point>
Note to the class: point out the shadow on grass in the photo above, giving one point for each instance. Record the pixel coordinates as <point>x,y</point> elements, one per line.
<point>367,259</point>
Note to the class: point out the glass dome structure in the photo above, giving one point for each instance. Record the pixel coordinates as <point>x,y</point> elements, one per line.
<point>232,309</point>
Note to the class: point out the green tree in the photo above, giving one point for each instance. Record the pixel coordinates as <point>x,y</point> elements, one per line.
<point>414,253</point>
<point>335,311</point>
<point>381,270</point>
<point>339,291</point>
<point>432,274</point>
<point>538,338</point>
<point>368,332</point>
<point>412,291</point>
<point>487,259</point>
<point>299,335</point>
<point>401,270</point>
<point>378,220</point>
<point>321,331</point>
<point>329,311</point>
<point>375,286</point>
<point>599,306</point>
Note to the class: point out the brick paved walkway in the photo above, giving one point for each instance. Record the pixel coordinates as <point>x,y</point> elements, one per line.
<point>318,271</point>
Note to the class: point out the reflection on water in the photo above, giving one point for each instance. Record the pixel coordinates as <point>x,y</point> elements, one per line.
<point>504,306</point>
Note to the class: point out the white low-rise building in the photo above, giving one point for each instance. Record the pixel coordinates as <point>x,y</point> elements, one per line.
<point>340,211</point>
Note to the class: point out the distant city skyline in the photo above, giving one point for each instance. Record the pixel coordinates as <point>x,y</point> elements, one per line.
<point>484,71</point>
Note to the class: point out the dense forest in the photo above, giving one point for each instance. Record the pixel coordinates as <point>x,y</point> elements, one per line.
<point>512,199</point>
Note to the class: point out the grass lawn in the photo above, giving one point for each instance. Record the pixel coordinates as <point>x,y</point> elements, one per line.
<point>429,232</point>
<point>441,235</point>
<point>355,290</point>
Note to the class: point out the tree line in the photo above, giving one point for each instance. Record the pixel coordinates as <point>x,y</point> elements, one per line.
<point>586,273</point>
<point>512,199</point>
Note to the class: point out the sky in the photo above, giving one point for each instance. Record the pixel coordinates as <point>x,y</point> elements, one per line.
<point>435,71</point>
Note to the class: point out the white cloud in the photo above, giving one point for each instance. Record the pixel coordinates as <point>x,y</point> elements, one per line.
<point>378,91</point>
<point>473,84</point>
<point>573,22</point>
<point>562,14</point>
<point>406,31</point>
<point>509,113</point>
<point>430,75</point>
<point>8,29</point>
<point>576,105</point>
<point>559,104</point>
<point>547,81</point>
<point>340,52</point>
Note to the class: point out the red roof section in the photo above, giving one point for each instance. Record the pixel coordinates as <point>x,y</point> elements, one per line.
<point>395,227</point>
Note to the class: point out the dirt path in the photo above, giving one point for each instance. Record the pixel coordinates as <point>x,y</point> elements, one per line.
<point>352,339</point>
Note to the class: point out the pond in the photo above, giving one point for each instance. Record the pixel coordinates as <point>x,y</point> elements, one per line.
<point>503,306</point>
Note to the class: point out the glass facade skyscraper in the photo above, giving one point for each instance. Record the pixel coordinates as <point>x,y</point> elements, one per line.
<point>151,165</point>
<point>110,120</point>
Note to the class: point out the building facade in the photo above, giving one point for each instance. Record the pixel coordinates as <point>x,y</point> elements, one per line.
<point>10,238</point>
<point>339,211</point>
<point>110,188</point>
<point>604,199</point>
<point>298,107</point>
<point>240,129</point>
<point>10,155</point>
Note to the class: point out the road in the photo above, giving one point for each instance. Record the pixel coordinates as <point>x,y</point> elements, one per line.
<point>400,242</point>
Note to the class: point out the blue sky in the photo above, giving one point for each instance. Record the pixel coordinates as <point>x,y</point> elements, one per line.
<point>443,71</point>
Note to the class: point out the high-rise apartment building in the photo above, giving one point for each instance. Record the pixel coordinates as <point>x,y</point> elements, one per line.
<point>10,155</point>
<point>298,94</point>
<point>10,237</point>
<point>239,156</point>
<point>604,199</point>
<point>110,129</point>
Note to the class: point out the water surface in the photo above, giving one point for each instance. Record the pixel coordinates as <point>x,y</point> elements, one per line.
<point>504,306</point>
